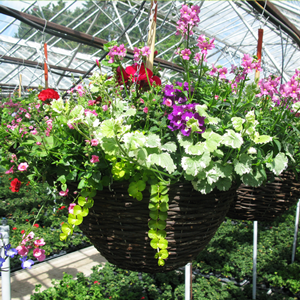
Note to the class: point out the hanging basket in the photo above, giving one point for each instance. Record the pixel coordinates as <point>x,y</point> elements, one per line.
<point>266,202</point>
<point>117,225</point>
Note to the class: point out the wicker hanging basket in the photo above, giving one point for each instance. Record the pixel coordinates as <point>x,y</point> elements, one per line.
<point>117,225</point>
<point>266,202</point>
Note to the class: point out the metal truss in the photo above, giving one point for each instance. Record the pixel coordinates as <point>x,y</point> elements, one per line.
<point>233,24</point>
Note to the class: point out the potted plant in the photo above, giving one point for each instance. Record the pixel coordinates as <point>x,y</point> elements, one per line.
<point>150,167</point>
<point>277,110</point>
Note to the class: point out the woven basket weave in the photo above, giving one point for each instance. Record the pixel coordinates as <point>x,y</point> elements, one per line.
<point>266,202</point>
<point>117,225</point>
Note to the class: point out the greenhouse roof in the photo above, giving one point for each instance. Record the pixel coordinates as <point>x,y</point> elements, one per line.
<point>26,25</point>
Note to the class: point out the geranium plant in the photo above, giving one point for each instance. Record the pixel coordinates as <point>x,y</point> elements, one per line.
<point>131,127</point>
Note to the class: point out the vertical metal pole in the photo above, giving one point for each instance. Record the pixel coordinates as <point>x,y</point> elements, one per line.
<point>188,281</point>
<point>254,259</point>
<point>5,270</point>
<point>296,231</point>
<point>152,35</point>
<point>20,85</point>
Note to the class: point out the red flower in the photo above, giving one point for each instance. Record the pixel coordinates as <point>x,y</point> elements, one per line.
<point>15,185</point>
<point>63,207</point>
<point>15,228</point>
<point>23,231</point>
<point>141,77</point>
<point>142,298</point>
<point>36,225</point>
<point>96,282</point>
<point>48,94</point>
<point>27,220</point>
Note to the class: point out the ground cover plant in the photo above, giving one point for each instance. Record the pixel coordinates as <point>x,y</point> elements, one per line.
<point>21,209</point>
<point>223,270</point>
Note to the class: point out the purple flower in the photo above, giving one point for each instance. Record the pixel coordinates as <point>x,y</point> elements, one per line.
<point>11,252</point>
<point>2,260</point>
<point>26,264</point>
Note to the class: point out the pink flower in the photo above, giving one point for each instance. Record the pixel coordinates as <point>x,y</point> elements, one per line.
<point>94,142</point>
<point>95,159</point>
<point>145,51</point>
<point>10,170</point>
<point>71,208</point>
<point>22,250</point>
<point>105,107</point>
<point>27,115</point>
<point>34,131</point>
<point>70,126</point>
<point>168,102</point>
<point>39,242</point>
<point>23,166</point>
<point>64,193</point>
<point>216,97</point>
<point>19,120</point>
<point>38,143</point>
<point>14,156</point>
<point>39,254</point>
<point>142,101</point>
<point>145,110</point>
<point>186,54</point>
<point>91,102</point>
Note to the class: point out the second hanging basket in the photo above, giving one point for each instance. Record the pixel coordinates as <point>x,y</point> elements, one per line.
<point>266,202</point>
<point>117,225</point>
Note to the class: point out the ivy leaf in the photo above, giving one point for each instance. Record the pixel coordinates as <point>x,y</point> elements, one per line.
<point>57,105</point>
<point>153,206</point>
<point>279,163</point>
<point>164,206</point>
<point>77,210</point>
<point>243,165</point>
<point>153,215</point>
<point>232,139</point>
<point>141,185</point>
<point>81,201</point>
<point>153,234</point>
<point>163,254</point>
<point>161,262</point>
<point>201,110</point>
<point>161,234</point>
<point>164,160</point>
<point>110,146</point>
<point>255,178</point>
<point>76,114</point>
<point>163,216</point>
<point>66,229</point>
<point>154,243</point>
<point>162,244</point>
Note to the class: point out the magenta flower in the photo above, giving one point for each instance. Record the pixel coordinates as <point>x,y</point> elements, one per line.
<point>222,72</point>
<point>71,208</point>
<point>91,102</point>
<point>22,250</point>
<point>94,142</point>
<point>39,254</point>
<point>23,167</point>
<point>38,143</point>
<point>145,110</point>
<point>145,51</point>
<point>11,170</point>
<point>95,159</point>
<point>39,242</point>
<point>213,70</point>
<point>186,54</point>
<point>168,102</point>
<point>64,193</point>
